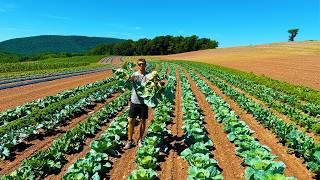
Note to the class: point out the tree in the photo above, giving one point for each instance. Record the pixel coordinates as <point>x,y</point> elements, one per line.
<point>293,34</point>
<point>160,45</point>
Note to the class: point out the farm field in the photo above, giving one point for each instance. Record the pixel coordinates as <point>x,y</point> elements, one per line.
<point>294,62</point>
<point>212,123</point>
<point>28,92</point>
<point>50,66</point>
<point>142,90</point>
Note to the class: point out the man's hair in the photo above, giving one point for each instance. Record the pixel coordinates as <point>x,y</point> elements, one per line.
<point>141,60</point>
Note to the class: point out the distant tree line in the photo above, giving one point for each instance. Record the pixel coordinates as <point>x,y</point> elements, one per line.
<point>160,45</point>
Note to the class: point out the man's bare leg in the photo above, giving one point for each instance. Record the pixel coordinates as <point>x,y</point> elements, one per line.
<point>142,128</point>
<point>131,123</point>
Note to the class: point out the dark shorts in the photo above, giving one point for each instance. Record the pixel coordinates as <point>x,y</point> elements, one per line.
<point>140,110</point>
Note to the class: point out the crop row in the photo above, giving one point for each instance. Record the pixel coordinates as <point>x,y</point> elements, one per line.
<point>44,163</point>
<point>272,90</point>
<point>27,108</point>
<point>31,66</point>
<point>45,115</point>
<point>259,159</point>
<point>147,155</point>
<point>288,134</point>
<point>96,162</point>
<point>271,97</point>
<point>202,164</point>
<point>49,118</point>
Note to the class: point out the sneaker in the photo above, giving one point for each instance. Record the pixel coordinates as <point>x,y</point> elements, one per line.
<point>129,144</point>
<point>140,142</point>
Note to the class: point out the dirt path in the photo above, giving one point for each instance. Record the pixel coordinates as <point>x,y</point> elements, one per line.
<point>175,167</point>
<point>123,166</point>
<point>45,141</point>
<point>11,98</point>
<point>116,60</point>
<point>294,165</point>
<point>224,151</point>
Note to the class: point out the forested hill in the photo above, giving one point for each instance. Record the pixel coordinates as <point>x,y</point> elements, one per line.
<point>54,44</point>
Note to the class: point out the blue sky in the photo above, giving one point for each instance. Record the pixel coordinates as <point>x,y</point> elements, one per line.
<point>231,22</point>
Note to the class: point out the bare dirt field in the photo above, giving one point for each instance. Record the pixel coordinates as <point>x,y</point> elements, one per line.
<point>294,62</point>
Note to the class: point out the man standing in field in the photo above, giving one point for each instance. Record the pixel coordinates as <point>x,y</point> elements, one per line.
<point>137,106</point>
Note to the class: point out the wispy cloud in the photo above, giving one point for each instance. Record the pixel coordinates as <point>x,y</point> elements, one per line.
<point>56,17</point>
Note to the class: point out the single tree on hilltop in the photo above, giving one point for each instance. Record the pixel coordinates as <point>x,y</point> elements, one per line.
<point>293,34</point>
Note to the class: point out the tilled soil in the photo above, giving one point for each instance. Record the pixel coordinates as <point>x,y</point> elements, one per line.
<point>294,62</point>
<point>123,166</point>
<point>294,165</point>
<point>11,98</point>
<point>45,141</point>
<point>224,151</point>
<point>175,167</point>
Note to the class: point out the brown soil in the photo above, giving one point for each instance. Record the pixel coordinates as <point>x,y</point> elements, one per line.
<point>175,167</point>
<point>294,62</point>
<point>294,165</point>
<point>74,157</point>
<point>224,151</point>
<point>45,141</point>
<point>123,166</point>
<point>17,96</point>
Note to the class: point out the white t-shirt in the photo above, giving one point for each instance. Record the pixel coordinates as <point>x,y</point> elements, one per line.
<point>138,79</point>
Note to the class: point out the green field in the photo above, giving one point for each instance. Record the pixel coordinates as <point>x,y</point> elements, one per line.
<point>50,65</point>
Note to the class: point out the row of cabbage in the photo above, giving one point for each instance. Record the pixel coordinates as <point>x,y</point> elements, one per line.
<point>50,161</point>
<point>96,162</point>
<point>295,96</point>
<point>305,114</point>
<point>49,118</point>
<point>27,108</point>
<point>288,134</point>
<point>258,158</point>
<point>61,111</point>
<point>148,154</point>
<point>202,164</point>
